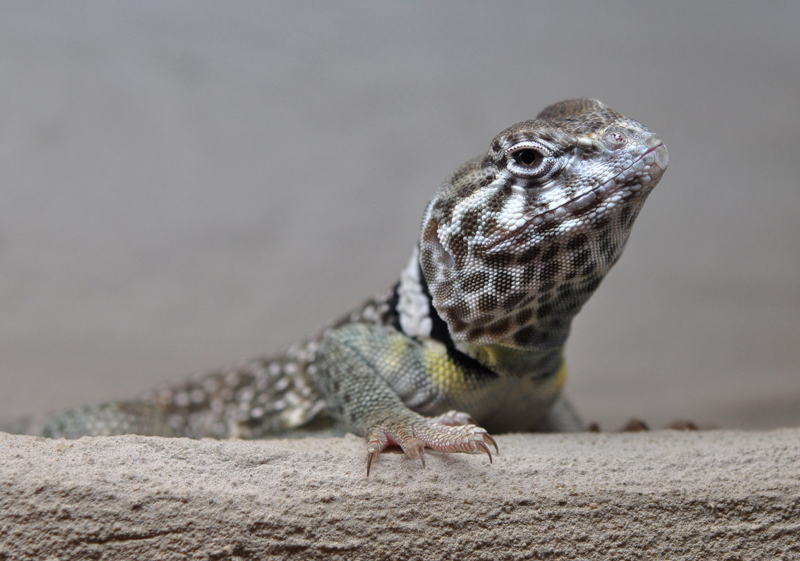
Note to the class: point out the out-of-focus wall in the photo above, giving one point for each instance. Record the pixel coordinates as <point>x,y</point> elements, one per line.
<point>184,184</point>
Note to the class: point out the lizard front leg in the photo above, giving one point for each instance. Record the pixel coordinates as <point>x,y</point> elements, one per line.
<point>374,377</point>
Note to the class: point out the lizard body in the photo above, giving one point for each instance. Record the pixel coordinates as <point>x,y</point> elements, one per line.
<point>512,246</point>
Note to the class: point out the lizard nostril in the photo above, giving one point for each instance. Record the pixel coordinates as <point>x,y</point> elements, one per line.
<point>614,139</point>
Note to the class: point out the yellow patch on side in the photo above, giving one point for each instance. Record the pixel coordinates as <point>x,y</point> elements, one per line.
<point>444,374</point>
<point>397,350</point>
<point>555,383</point>
<point>493,355</point>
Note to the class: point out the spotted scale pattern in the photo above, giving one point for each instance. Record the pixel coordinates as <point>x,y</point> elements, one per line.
<point>513,251</point>
<point>271,396</point>
<point>512,246</point>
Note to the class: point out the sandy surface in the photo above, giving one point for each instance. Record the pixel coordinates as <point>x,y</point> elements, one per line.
<point>186,184</point>
<point>660,495</point>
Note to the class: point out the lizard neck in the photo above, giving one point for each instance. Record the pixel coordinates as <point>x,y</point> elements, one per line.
<point>417,317</point>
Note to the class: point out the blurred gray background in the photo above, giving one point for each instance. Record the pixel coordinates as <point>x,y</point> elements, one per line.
<point>186,184</point>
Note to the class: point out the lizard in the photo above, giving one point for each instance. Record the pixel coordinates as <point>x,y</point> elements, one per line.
<point>471,338</point>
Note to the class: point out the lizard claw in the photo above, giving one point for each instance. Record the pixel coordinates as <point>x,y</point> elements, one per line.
<point>371,458</point>
<point>377,442</point>
<point>485,449</point>
<point>487,436</point>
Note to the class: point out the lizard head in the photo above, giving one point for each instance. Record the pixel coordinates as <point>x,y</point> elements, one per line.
<point>515,242</point>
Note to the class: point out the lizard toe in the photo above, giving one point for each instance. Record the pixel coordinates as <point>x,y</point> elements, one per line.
<point>453,419</point>
<point>413,437</point>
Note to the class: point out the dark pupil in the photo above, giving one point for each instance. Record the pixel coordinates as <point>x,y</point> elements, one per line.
<point>527,157</point>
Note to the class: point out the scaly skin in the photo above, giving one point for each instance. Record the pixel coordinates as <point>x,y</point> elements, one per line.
<point>512,246</point>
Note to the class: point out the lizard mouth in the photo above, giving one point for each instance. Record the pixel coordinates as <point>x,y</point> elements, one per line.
<point>608,190</point>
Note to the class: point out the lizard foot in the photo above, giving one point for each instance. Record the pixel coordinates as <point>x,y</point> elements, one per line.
<point>451,432</point>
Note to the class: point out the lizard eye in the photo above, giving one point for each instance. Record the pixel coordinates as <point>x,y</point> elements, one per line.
<point>527,157</point>
<point>530,160</point>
